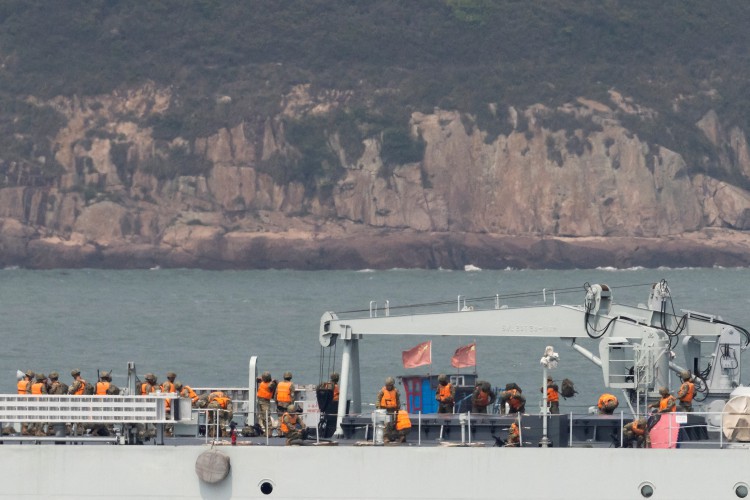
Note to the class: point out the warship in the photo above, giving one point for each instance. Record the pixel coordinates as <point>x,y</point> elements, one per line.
<point>187,453</point>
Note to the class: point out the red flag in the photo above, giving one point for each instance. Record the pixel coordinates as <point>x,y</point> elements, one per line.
<point>465,356</point>
<point>418,356</point>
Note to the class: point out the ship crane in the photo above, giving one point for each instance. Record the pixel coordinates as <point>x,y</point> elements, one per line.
<point>635,342</point>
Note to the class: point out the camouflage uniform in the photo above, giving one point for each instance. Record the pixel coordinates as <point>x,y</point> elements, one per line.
<point>390,385</point>
<point>513,396</point>
<point>636,431</point>
<point>225,414</point>
<point>482,394</point>
<point>446,404</point>
<point>56,388</point>
<point>264,405</point>
<point>297,430</point>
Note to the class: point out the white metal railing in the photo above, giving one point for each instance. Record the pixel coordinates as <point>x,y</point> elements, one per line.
<point>84,409</point>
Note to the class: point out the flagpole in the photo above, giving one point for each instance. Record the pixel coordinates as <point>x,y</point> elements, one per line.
<point>476,362</point>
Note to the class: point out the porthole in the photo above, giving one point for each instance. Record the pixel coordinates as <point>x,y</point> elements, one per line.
<point>741,490</point>
<point>266,487</point>
<point>647,490</point>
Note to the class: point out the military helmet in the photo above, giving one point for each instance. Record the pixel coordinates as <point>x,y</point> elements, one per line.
<point>334,377</point>
<point>177,385</point>
<point>75,372</point>
<point>54,375</point>
<point>40,376</point>
<point>287,375</point>
<point>296,408</point>
<point>390,381</point>
<point>29,373</point>
<point>266,377</point>
<point>685,375</point>
<point>663,391</point>
<point>106,376</point>
<point>171,375</point>
<point>150,377</point>
<point>442,377</point>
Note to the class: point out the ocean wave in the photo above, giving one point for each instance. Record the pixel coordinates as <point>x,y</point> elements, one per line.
<point>471,267</point>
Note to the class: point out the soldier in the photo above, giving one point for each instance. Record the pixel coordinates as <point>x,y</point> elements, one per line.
<point>667,403</point>
<point>78,387</point>
<point>105,387</point>
<point>636,432</point>
<point>482,397</point>
<point>396,432</point>
<point>168,385</point>
<point>55,386</point>
<point>445,395</point>
<point>24,384</point>
<point>513,396</point>
<point>607,404</point>
<point>40,386</point>
<point>514,436</point>
<point>553,397</point>
<point>266,389</point>
<point>185,391</point>
<point>389,398</point>
<point>293,426</point>
<point>686,392</point>
<point>284,393</point>
<point>149,386</point>
<point>222,405</point>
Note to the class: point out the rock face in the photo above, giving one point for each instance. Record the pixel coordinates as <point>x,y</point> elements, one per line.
<point>537,195</point>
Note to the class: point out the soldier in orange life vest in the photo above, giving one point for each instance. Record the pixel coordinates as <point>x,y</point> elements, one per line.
<point>105,387</point>
<point>396,432</point>
<point>553,396</point>
<point>636,432</point>
<point>513,396</point>
<point>335,384</point>
<point>686,392</point>
<point>78,387</point>
<point>607,404</point>
<point>222,405</point>
<point>149,385</point>
<point>168,385</point>
<point>185,391</point>
<point>292,425</point>
<point>40,386</point>
<point>482,397</point>
<point>24,385</point>
<point>445,395</point>
<point>284,394</point>
<point>266,389</point>
<point>388,398</point>
<point>667,403</point>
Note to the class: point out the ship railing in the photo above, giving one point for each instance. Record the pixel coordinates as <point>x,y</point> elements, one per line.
<point>708,431</point>
<point>149,409</point>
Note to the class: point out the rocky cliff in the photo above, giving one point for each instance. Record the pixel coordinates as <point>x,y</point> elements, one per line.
<point>564,187</point>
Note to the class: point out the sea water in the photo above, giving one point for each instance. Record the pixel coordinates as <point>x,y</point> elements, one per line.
<point>205,325</point>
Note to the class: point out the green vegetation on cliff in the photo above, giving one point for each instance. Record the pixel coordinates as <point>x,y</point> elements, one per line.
<point>394,56</point>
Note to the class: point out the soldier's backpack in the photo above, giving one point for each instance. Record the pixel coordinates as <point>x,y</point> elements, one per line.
<point>567,390</point>
<point>88,390</point>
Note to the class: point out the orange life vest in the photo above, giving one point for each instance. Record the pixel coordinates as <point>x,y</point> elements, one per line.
<point>388,400</point>
<point>23,387</point>
<point>688,397</point>
<point>606,398</point>
<point>81,388</point>
<point>188,392</point>
<point>220,398</point>
<point>167,387</point>
<point>637,430</point>
<point>335,392</point>
<point>513,433</point>
<point>402,420</point>
<point>483,398</point>
<point>264,391</point>
<point>444,392</point>
<point>36,388</point>
<point>514,401</point>
<point>101,388</point>
<point>292,421</point>
<point>552,395</point>
<point>147,389</point>
<point>665,402</point>
<point>284,392</point>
